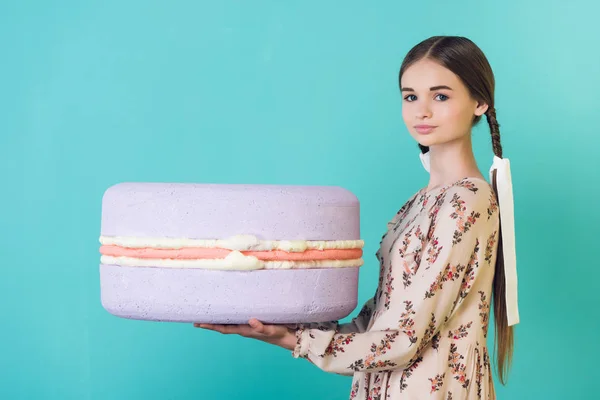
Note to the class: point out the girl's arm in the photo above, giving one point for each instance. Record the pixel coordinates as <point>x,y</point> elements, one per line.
<point>462,239</point>
<point>285,336</point>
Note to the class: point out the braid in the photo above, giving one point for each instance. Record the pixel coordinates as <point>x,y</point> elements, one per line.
<point>495,130</point>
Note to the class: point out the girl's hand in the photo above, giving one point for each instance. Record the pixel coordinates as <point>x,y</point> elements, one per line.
<point>278,335</point>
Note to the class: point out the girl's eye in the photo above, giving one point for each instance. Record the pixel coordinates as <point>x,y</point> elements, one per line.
<point>444,97</point>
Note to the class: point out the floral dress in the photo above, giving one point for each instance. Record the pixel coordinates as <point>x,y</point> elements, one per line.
<point>423,334</point>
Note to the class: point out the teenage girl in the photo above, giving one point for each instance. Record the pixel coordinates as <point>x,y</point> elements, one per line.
<point>443,258</point>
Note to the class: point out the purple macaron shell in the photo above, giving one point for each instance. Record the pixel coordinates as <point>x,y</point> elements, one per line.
<point>219,211</point>
<point>229,297</point>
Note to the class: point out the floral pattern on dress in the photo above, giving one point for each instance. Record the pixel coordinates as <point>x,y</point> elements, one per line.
<point>407,323</point>
<point>484,312</point>
<point>457,368</point>
<point>408,372</point>
<point>428,321</point>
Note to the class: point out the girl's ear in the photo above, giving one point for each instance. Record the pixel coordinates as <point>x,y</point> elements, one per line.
<point>481,108</point>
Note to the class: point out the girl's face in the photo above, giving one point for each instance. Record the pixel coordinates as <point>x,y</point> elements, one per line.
<point>433,95</point>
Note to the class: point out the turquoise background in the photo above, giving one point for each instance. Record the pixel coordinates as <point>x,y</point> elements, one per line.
<point>97,92</point>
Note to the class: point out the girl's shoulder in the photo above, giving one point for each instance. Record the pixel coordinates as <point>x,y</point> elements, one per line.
<point>467,195</point>
<point>475,190</point>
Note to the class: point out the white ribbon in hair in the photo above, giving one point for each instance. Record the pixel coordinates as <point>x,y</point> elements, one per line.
<point>504,191</point>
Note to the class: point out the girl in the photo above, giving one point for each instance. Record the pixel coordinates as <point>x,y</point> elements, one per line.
<point>443,258</point>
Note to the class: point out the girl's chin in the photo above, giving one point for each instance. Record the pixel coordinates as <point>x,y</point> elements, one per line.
<point>427,142</point>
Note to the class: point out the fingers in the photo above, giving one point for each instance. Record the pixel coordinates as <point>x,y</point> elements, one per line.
<point>224,329</point>
<point>262,329</point>
<point>211,327</point>
<point>242,330</point>
<point>255,328</point>
<point>270,330</point>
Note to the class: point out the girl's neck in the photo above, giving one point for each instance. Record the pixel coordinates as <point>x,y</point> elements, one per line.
<point>450,162</point>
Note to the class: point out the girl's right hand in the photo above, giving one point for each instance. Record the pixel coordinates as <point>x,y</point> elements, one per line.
<point>278,335</point>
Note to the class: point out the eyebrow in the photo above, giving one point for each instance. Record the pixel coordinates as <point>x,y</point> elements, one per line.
<point>407,89</point>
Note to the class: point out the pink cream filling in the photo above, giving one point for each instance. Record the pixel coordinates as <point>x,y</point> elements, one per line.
<point>193,253</point>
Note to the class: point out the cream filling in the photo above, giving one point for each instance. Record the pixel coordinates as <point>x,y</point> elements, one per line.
<point>238,242</point>
<point>234,261</point>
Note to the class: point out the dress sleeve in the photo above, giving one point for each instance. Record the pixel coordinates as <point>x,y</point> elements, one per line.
<point>358,324</point>
<point>423,290</point>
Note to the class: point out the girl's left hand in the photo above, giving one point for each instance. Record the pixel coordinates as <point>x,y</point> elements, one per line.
<point>278,335</point>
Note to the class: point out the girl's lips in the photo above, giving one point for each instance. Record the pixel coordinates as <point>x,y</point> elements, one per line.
<point>424,129</point>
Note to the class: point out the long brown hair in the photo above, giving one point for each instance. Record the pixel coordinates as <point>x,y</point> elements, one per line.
<point>466,60</point>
